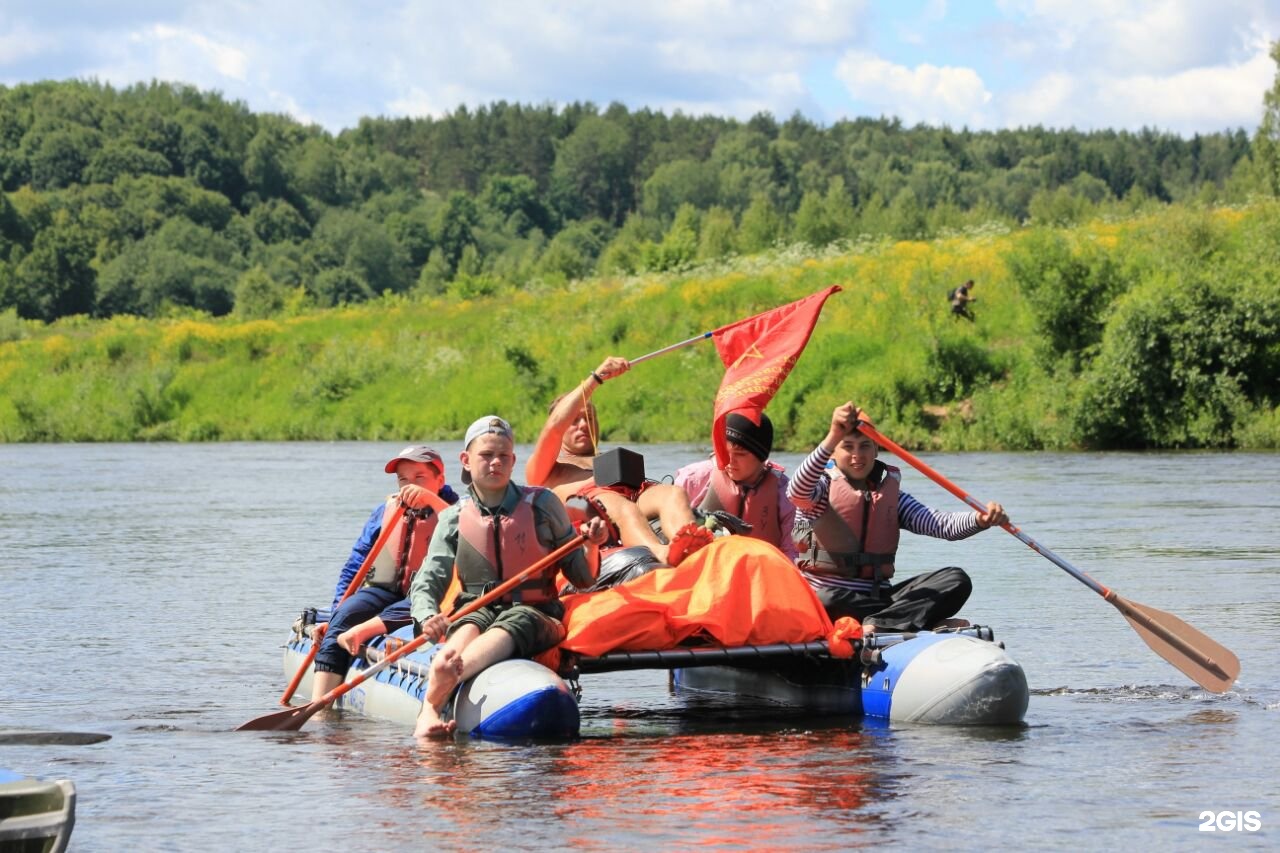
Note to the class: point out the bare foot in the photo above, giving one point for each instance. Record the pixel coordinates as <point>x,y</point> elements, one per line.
<point>446,672</point>
<point>432,725</point>
<point>951,624</point>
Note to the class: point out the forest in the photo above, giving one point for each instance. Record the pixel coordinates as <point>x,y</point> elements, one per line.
<point>159,198</point>
<point>174,267</point>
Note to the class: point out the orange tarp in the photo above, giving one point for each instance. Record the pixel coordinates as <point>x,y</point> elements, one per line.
<point>736,591</point>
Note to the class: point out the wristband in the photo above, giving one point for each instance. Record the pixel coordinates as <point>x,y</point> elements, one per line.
<point>597,377</point>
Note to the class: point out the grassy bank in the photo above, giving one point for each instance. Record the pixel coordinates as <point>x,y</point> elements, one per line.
<point>1162,331</point>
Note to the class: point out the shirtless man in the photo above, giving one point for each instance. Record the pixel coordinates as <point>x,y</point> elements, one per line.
<point>563,461</point>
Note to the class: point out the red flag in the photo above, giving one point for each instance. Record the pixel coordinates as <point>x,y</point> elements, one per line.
<point>758,354</point>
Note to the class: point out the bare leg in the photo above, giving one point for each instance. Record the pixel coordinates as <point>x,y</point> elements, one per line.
<point>446,672</point>
<point>633,527</point>
<point>322,682</point>
<point>667,503</point>
<point>492,646</point>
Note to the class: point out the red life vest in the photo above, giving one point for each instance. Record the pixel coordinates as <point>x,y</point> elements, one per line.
<point>394,567</point>
<point>757,505</point>
<point>857,537</point>
<point>495,547</point>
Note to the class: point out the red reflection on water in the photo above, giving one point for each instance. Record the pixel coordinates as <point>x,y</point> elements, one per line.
<point>722,789</point>
<point>750,790</point>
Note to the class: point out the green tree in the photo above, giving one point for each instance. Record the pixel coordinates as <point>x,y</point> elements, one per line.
<point>1266,141</point>
<point>56,279</point>
<point>678,183</point>
<point>453,229</point>
<point>317,171</point>
<point>340,286</point>
<point>905,217</point>
<point>592,173</point>
<point>117,159</point>
<point>61,157</point>
<point>277,221</point>
<point>761,226</point>
<point>1070,291</point>
<point>716,238</point>
<point>514,200</point>
<point>679,245</point>
<point>573,253</point>
<point>258,295</point>
<point>264,168</point>
<point>1179,367</point>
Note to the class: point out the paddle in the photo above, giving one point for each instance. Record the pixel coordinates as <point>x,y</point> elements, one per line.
<point>43,737</point>
<point>292,719</point>
<point>388,526</point>
<point>1204,661</point>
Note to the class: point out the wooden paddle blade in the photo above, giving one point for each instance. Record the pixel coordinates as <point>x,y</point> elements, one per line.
<point>288,720</point>
<point>1206,662</point>
<point>39,737</point>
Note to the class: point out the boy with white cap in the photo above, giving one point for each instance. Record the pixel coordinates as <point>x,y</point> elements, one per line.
<point>494,532</point>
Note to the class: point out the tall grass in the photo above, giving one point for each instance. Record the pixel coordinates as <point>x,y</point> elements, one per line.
<point>400,369</point>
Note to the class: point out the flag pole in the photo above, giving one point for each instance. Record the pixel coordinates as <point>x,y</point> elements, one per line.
<point>665,350</point>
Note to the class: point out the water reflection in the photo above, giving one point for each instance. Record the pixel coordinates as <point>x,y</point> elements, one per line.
<point>1117,746</point>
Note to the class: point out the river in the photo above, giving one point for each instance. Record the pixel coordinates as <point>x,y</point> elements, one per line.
<point>146,590</point>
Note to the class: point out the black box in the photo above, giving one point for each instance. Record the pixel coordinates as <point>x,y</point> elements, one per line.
<point>619,467</point>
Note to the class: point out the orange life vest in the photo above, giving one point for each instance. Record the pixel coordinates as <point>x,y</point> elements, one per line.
<point>857,537</point>
<point>756,505</point>
<point>394,567</point>
<point>494,547</point>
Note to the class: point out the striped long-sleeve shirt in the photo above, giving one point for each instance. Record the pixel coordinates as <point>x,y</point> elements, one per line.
<point>809,491</point>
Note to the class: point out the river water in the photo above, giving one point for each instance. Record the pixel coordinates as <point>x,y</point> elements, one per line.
<point>146,590</point>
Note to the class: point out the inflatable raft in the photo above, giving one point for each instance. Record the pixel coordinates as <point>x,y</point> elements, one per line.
<point>951,678</point>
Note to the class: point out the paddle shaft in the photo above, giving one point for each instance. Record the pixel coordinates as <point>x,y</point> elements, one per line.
<point>873,434</point>
<point>1214,666</point>
<point>483,601</point>
<point>665,350</point>
<point>293,719</point>
<point>388,527</point>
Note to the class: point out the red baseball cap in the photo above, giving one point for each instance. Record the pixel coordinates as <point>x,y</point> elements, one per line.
<point>416,453</point>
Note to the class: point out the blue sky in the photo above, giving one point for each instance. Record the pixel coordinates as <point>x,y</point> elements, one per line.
<point>1186,66</point>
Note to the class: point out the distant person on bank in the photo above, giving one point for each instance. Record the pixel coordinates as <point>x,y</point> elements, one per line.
<point>960,299</point>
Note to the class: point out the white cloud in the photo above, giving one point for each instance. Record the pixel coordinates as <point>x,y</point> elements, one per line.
<point>1086,63</point>
<point>1205,99</point>
<point>177,46</point>
<point>18,41</point>
<point>1232,95</point>
<point>1048,101</point>
<point>947,95</point>
<point>1161,37</point>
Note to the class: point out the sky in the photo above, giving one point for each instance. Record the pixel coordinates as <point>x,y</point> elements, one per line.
<point>1183,66</point>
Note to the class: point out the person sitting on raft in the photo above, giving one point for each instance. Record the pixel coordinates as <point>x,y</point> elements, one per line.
<point>381,604</point>
<point>562,460</point>
<point>848,529</point>
<point>749,486</point>
<point>496,531</point>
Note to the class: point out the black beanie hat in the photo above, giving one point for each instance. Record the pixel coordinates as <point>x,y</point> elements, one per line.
<point>758,439</point>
